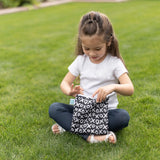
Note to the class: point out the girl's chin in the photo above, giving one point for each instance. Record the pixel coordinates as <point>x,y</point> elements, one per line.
<point>94,59</point>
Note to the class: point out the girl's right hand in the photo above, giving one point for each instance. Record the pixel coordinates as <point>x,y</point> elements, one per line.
<point>75,90</point>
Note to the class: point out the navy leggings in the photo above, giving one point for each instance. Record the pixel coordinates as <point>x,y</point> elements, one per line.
<point>62,114</point>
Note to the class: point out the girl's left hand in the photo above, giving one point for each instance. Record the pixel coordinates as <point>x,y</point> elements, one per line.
<point>103,92</point>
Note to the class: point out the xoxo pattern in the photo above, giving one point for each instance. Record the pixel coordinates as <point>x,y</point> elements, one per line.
<point>89,117</point>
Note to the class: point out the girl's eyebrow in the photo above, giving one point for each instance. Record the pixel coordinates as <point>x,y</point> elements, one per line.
<point>85,46</point>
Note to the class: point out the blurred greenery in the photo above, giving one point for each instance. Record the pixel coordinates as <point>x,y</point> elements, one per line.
<point>17,3</point>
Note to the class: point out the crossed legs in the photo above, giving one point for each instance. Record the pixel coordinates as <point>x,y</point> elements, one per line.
<point>62,114</point>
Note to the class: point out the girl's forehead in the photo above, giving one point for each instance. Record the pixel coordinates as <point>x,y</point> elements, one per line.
<point>94,40</point>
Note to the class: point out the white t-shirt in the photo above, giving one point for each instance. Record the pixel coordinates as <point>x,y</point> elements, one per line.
<point>94,76</point>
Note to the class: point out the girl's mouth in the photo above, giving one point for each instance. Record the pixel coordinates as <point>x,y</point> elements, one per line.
<point>94,57</point>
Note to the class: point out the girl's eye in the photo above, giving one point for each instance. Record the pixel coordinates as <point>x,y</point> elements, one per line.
<point>98,49</point>
<point>87,49</point>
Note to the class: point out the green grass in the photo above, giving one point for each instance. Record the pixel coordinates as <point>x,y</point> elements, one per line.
<point>36,48</point>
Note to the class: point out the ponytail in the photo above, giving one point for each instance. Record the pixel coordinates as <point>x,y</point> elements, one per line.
<point>113,49</point>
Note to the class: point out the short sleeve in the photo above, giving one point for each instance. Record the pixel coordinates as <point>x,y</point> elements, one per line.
<point>120,68</point>
<point>74,67</point>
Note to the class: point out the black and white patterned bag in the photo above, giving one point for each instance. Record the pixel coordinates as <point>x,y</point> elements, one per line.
<point>89,117</point>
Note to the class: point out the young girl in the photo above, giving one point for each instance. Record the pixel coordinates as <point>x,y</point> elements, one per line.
<point>102,73</point>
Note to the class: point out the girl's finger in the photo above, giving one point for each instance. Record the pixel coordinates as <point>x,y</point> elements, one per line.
<point>77,87</point>
<point>72,85</point>
<point>96,92</point>
<point>81,89</point>
<point>100,95</point>
<point>81,92</point>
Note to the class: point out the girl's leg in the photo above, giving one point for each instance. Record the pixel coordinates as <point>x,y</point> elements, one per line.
<point>62,114</point>
<point>118,119</point>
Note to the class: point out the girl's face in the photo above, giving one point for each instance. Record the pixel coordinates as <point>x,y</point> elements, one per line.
<point>94,47</point>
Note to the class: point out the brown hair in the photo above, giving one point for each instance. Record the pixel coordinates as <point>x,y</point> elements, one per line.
<point>97,23</point>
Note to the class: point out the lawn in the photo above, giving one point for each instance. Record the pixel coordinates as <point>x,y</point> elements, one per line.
<point>36,48</point>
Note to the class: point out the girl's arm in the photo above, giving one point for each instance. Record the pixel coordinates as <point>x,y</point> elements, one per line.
<point>124,88</point>
<point>68,87</point>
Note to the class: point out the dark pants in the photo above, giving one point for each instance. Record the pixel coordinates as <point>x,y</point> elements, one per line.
<point>62,114</point>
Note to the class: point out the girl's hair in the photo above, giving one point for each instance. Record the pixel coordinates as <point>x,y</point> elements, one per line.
<point>95,23</point>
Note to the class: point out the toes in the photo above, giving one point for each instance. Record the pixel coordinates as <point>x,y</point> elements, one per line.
<point>55,129</point>
<point>111,139</point>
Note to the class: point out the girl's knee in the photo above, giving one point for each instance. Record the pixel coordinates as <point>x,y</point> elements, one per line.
<point>124,118</point>
<point>118,119</point>
<point>53,109</point>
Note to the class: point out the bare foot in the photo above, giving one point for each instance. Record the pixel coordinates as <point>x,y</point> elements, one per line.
<point>111,139</point>
<point>98,138</point>
<point>55,129</point>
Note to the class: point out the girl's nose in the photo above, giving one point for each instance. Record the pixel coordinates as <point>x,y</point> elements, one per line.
<point>91,53</point>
